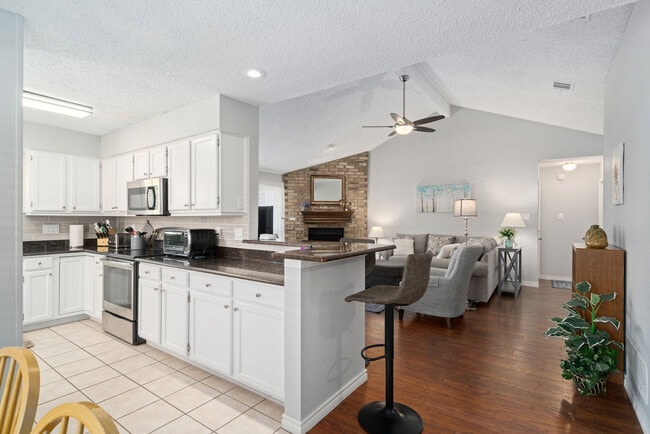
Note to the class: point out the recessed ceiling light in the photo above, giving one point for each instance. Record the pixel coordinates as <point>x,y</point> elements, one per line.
<point>331,146</point>
<point>55,105</point>
<point>569,166</point>
<point>254,73</point>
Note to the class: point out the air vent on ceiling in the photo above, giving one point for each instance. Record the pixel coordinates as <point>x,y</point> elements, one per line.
<point>562,86</point>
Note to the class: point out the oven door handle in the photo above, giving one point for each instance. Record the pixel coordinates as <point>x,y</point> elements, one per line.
<point>125,265</point>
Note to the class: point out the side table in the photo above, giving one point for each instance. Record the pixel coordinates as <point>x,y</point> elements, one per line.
<point>509,270</point>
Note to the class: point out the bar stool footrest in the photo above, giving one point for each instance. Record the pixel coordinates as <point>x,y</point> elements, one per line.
<point>372,359</point>
<point>376,418</point>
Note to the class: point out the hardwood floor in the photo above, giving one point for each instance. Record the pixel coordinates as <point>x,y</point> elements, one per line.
<point>494,371</point>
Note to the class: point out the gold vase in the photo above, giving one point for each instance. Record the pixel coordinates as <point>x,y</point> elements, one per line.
<point>595,237</point>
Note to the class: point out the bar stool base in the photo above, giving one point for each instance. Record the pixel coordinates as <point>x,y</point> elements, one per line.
<point>375,418</point>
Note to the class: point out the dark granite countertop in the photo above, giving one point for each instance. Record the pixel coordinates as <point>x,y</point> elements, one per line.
<point>332,252</point>
<point>60,247</point>
<point>261,271</point>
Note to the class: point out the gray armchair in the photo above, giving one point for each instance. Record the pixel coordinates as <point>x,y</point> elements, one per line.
<point>446,295</point>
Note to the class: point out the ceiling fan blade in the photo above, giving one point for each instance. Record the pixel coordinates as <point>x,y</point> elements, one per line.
<point>376,126</point>
<point>392,133</point>
<point>397,118</point>
<point>428,120</point>
<point>424,129</point>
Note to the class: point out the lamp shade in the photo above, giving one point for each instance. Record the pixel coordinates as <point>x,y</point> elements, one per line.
<point>376,232</point>
<point>513,220</point>
<point>465,208</point>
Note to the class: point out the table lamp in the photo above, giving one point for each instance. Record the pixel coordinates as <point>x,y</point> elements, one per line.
<point>465,208</point>
<point>376,232</point>
<point>512,220</point>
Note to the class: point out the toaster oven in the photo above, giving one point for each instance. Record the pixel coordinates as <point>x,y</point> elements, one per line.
<point>190,243</point>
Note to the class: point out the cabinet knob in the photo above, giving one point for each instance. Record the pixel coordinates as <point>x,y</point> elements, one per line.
<point>226,306</point>
<point>63,207</point>
<point>236,309</point>
<point>193,204</point>
<point>74,207</point>
<point>146,174</point>
<point>39,264</point>
<point>146,272</point>
<point>100,275</point>
<point>186,205</point>
<point>258,295</point>
<point>173,277</point>
<point>50,274</point>
<point>155,289</point>
<point>207,285</point>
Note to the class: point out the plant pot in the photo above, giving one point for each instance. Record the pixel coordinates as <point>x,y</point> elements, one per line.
<point>508,243</point>
<point>598,389</point>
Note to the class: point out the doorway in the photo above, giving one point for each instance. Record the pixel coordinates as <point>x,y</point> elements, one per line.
<point>569,202</point>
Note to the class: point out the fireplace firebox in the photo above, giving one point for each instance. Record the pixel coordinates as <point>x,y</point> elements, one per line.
<point>325,234</point>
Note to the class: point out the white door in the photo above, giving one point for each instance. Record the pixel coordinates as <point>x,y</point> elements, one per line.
<point>149,305</point>
<point>205,173</point>
<point>179,177</point>
<point>47,181</point>
<point>98,287</point>
<point>569,202</point>
<point>109,199</point>
<point>71,284</point>
<point>158,161</point>
<point>83,184</point>
<point>89,285</point>
<point>174,336</point>
<point>141,164</point>
<point>211,331</point>
<point>38,293</point>
<point>259,347</point>
<point>123,174</point>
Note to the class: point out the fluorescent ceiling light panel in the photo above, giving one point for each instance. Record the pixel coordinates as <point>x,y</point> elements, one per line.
<point>55,105</point>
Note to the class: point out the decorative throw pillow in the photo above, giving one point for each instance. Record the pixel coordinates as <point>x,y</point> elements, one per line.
<point>435,243</point>
<point>404,246</point>
<point>447,251</point>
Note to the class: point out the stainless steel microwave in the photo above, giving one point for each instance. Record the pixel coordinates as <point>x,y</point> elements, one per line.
<point>147,197</point>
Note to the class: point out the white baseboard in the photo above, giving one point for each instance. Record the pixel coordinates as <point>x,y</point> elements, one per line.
<point>300,427</point>
<point>534,284</point>
<point>549,277</point>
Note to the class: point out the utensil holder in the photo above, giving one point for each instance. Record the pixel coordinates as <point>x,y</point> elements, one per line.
<point>138,242</point>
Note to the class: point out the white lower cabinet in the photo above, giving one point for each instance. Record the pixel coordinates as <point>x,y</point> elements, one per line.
<point>258,335</point>
<point>38,289</point>
<point>232,326</point>
<point>71,284</point>
<point>93,286</point>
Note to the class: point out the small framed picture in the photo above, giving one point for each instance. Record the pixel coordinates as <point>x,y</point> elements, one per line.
<point>617,174</point>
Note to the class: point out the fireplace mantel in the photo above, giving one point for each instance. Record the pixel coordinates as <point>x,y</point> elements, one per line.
<point>327,216</point>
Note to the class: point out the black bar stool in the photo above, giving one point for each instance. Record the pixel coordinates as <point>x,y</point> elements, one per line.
<point>383,417</point>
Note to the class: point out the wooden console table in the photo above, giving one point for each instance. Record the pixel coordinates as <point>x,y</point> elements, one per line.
<point>604,269</point>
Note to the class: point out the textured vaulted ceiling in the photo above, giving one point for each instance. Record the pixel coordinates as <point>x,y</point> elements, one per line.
<point>331,65</point>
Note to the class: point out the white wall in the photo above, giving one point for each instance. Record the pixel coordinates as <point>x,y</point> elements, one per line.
<point>53,139</point>
<point>11,181</point>
<point>497,155</point>
<point>627,115</point>
<point>576,197</point>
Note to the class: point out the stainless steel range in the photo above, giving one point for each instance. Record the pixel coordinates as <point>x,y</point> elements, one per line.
<point>120,301</point>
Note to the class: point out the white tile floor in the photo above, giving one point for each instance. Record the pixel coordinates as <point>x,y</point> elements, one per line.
<point>145,390</point>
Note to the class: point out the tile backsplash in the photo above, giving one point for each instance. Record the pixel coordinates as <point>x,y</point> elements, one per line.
<point>33,225</point>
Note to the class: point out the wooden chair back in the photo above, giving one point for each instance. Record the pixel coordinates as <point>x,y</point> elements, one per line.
<point>20,382</point>
<point>78,416</point>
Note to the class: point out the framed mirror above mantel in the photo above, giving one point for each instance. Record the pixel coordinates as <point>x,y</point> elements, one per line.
<point>327,189</point>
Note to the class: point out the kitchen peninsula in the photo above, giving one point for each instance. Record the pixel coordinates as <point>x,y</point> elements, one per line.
<point>293,336</point>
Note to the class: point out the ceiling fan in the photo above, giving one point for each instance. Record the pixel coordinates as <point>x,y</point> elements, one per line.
<point>402,124</point>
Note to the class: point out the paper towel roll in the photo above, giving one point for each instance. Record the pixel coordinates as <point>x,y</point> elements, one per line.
<point>76,235</point>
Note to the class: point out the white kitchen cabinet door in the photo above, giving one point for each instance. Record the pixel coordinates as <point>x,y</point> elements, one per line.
<point>211,331</point>
<point>71,284</point>
<point>179,177</point>
<point>38,296</point>
<point>205,174</point>
<point>89,285</point>
<point>233,170</point>
<point>258,335</point>
<point>98,287</point>
<point>174,322</point>
<point>116,172</point>
<point>141,164</point>
<point>149,310</point>
<point>83,184</point>
<point>158,161</point>
<point>45,181</point>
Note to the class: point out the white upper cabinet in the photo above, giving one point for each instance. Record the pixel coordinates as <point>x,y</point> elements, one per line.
<point>83,184</point>
<point>208,175</point>
<point>57,183</point>
<point>116,172</point>
<point>44,182</point>
<point>150,162</point>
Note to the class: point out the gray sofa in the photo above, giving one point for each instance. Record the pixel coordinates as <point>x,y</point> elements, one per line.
<point>389,268</point>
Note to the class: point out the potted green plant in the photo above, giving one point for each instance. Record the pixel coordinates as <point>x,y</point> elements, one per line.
<point>591,353</point>
<point>509,234</point>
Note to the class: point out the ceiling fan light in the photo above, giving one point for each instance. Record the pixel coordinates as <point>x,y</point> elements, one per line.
<point>569,166</point>
<point>403,128</point>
